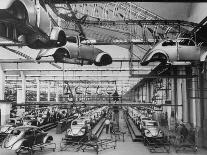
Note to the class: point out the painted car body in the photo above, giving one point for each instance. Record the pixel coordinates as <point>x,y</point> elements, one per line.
<point>150,129</point>
<point>75,53</point>
<point>31,23</point>
<point>169,51</point>
<point>25,137</point>
<point>78,128</point>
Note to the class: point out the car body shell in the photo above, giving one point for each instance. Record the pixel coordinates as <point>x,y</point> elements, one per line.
<point>25,136</point>
<point>173,50</point>
<point>150,129</point>
<point>77,129</point>
<point>31,19</point>
<point>76,53</point>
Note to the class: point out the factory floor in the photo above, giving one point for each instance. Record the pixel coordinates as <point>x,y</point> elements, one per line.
<point>126,147</point>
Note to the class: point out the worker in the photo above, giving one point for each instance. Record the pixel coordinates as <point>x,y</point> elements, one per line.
<point>107,124</point>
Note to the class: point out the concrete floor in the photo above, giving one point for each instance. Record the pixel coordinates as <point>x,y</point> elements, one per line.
<point>123,148</point>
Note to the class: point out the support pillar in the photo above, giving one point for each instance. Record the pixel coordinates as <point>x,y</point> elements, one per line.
<point>203,82</point>
<point>193,99</point>
<point>2,83</point>
<point>48,92</point>
<point>38,89</point>
<point>4,106</point>
<point>181,94</point>
<point>174,102</point>
<point>23,91</point>
<point>57,92</point>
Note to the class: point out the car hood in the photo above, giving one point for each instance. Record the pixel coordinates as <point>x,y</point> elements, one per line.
<point>75,131</point>
<point>10,140</point>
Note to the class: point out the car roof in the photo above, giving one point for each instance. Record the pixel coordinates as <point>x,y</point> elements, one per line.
<point>149,121</point>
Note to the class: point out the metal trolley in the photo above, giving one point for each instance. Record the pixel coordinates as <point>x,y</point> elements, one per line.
<point>186,139</point>
<point>157,144</point>
<point>86,143</point>
<point>34,148</point>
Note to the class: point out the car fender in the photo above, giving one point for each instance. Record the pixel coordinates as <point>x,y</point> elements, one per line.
<point>47,137</point>
<point>159,52</point>
<point>58,34</point>
<point>147,58</point>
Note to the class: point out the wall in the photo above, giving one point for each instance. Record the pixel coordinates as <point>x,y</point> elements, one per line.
<point>198,12</point>
<point>179,11</point>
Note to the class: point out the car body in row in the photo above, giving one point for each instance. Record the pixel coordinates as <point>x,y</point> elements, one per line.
<point>81,126</point>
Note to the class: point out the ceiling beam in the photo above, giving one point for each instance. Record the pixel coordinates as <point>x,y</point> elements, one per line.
<point>52,61</point>
<point>81,69</point>
<point>107,1</point>
<point>142,22</point>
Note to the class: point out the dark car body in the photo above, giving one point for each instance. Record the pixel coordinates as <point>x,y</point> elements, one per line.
<point>25,137</point>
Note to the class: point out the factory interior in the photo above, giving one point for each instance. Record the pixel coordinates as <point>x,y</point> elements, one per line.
<point>103,77</point>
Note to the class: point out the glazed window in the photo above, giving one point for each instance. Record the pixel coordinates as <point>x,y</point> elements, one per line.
<point>29,133</point>
<point>38,131</point>
<point>16,132</point>
<point>186,42</point>
<point>169,43</point>
<point>74,123</point>
<point>149,124</point>
<point>72,39</point>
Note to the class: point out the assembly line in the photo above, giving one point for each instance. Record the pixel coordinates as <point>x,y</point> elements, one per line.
<point>95,77</point>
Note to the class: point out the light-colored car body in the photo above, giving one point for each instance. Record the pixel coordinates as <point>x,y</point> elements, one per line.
<point>75,53</point>
<point>175,50</point>
<point>78,128</point>
<point>31,23</point>
<point>150,129</point>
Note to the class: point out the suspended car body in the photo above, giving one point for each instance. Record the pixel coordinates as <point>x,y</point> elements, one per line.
<point>31,23</point>
<point>76,53</point>
<point>178,50</point>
